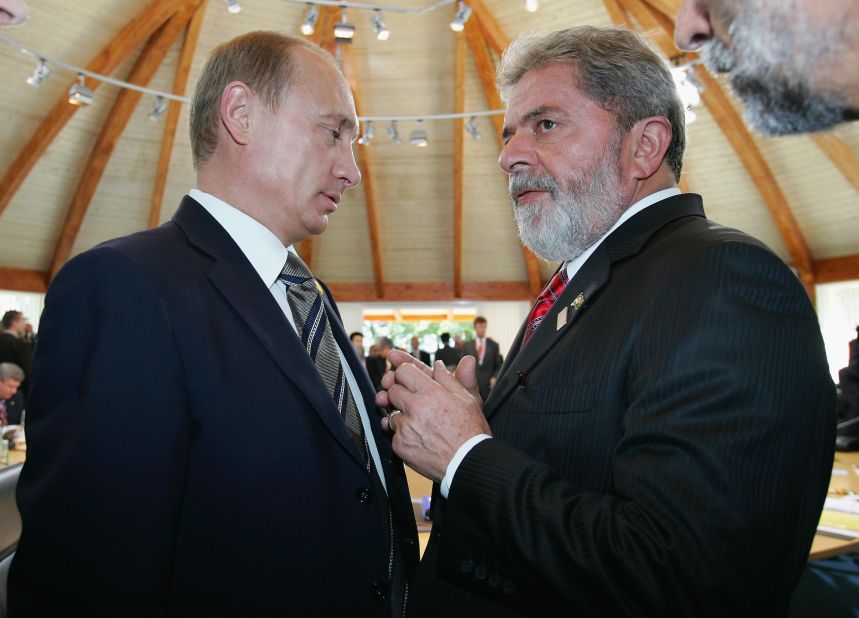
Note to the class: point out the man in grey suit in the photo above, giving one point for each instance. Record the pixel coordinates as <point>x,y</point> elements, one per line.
<point>660,438</point>
<point>485,351</point>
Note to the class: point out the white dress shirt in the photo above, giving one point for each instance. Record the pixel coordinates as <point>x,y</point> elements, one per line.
<point>268,256</point>
<point>573,267</point>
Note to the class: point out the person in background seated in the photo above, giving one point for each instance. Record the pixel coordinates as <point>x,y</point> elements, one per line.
<point>14,348</point>
<point>11,404</point>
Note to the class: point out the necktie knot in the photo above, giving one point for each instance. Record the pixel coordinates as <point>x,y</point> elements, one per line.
<point>545,301</point>
<point>295,271</point>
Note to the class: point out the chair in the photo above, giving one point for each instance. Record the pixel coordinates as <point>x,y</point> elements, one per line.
<point>10,526</point>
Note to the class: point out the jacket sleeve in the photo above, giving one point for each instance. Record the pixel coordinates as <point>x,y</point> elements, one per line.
<point>108,437</point>
<point>717,481</point>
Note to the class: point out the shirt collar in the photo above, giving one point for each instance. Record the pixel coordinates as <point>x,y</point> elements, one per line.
<point>263,249</point>
<point>574,265</point>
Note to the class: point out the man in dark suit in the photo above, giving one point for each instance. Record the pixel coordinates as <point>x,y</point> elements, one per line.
<point>660,438</point>
<point>202,438</point>
<point>488,357</point>
<point>446,353</point>
<point>416,352</point>
<point>15,349</point>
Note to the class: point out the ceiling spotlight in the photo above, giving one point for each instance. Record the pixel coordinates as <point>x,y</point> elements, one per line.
<point>344,32</point>
<point>158,109</point>
<point>382,31</point>
<point>463,12</point>
<point>368,135</point>
<point>80,93</point>
<point>418,137</point>
<point>471,128</point>
<point>234,7</point>
<point>40,74</point>
<point>393,134</point>
<point>309,24</point>
<point>532,5</point>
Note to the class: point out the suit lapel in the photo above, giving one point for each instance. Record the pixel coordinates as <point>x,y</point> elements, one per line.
<point>624,242</point>
<point>237,281</point>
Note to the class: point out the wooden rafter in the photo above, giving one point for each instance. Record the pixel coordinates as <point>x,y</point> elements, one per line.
<point>734,129</point>
<point>492,32</point>
<point>478,46</point>
<point>150,18</point>
<point>650,26</point>
<point>432,291</point>
<point>367,183</point>
<point>23,280</point>
<point>843,268</point>
<point>458,162</point>
<point>171,119</point>
<point>669,8</point>
<point>147,63</point>
<point>323,35</point>
<point>841,156</point>
<point>616,12</point>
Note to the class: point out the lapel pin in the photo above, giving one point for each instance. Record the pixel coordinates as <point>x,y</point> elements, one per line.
<point>580,300</point>
<point>562,319</point>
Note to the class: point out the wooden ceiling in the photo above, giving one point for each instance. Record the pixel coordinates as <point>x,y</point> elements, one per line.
<point>426,224</point>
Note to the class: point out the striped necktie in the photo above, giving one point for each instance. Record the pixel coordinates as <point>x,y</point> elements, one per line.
<point>545,301</point>
<point>304,296</point>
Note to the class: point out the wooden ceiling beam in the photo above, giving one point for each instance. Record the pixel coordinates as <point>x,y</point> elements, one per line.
<point>669,8</point>
<point>126,101</point>
<point>174,109</point>
<point>616,13</point>
<point>23,280</point>
<point>150,18</point>
<point>492,32</point>
<point>650,26</point>
<point>431,291</point>
<point>458,162</point>
<point>744,146</point>
<point>478,46</point>
<point>841,156</point>
<point>831,270</point>
<point>367,182</point>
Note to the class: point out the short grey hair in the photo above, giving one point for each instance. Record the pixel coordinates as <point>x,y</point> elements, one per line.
<point>614,66</point>
<point>11,371</point>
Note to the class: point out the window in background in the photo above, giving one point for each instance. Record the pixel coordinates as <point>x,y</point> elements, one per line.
<point>427,324</point>
<point>838,312</point>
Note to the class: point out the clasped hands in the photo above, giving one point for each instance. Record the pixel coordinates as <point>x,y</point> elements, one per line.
<point>438,411</point>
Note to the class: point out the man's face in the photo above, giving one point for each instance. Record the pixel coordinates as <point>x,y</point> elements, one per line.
<point>415,343</point>
<point>480,329</point>
<point>358,340</point>
<point>787,59</point>
<point>562,151</point>
<point>17,324</point>
<point>8,388</point>
<point>301,157</point>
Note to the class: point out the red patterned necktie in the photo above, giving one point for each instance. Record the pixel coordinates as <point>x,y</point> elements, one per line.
<point>545,301</point>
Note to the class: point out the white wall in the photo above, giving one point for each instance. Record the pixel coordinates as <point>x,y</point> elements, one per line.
<point>838,312</point>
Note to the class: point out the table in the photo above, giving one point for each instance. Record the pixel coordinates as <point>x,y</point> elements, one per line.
<point>845,478</point>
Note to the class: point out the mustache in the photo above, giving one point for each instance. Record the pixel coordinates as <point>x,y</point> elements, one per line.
<point>519,183</point>
<point>718,57</point>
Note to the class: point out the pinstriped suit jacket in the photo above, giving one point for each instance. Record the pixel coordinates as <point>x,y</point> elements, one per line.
<point>664,452</point>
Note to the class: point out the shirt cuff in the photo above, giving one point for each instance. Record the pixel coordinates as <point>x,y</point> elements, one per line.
<point>460,454</point>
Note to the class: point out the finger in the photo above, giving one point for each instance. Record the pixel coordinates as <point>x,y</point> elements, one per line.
<point>466,375</point>
<point>386,425</point>
<point>413,378</point>
<point>398,358</point>
<point>388,380</point>
<point>382,399</point>
<point>400,397</point>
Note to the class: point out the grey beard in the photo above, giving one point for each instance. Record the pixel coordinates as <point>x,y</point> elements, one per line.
<point>574,219</point>
<point>767,77</point>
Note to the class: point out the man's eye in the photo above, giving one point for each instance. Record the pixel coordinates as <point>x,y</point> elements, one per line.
<point>334,133</point>
<point>546,125</point>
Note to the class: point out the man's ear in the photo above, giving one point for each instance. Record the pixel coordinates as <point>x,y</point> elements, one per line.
<point>649,141</point>
<point>236,102</point>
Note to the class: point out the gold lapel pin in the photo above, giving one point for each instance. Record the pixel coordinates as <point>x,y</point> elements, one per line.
<point>580,300</point>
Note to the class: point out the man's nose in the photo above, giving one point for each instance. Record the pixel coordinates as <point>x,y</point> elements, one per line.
<point>693,28</point>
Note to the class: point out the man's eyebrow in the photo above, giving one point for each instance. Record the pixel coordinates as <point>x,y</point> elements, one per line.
<point>340,120</point>
<point>534,113</point>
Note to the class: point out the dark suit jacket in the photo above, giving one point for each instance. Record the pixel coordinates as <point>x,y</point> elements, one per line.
<point>449,356</point>
<point>490,366</point>
<point>20,352</point>
<point>184,455</point>
<point>665,452</point>
<point>424,357</point>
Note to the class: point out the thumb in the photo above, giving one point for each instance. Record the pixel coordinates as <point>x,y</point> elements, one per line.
<point>466,374</point>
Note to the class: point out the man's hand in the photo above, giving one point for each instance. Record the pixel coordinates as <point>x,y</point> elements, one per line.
<point>439,411</point>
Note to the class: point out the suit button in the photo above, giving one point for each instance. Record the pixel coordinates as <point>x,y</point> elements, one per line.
<point>467,566</point>
<point>508,587</point>
<point>364,495</point>
<point>481,572</point>
<point>494,580</point>
<point>379,590</point>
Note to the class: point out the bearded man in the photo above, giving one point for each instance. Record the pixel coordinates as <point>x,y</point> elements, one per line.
<point>660,438</point>
<point>791,62</point>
